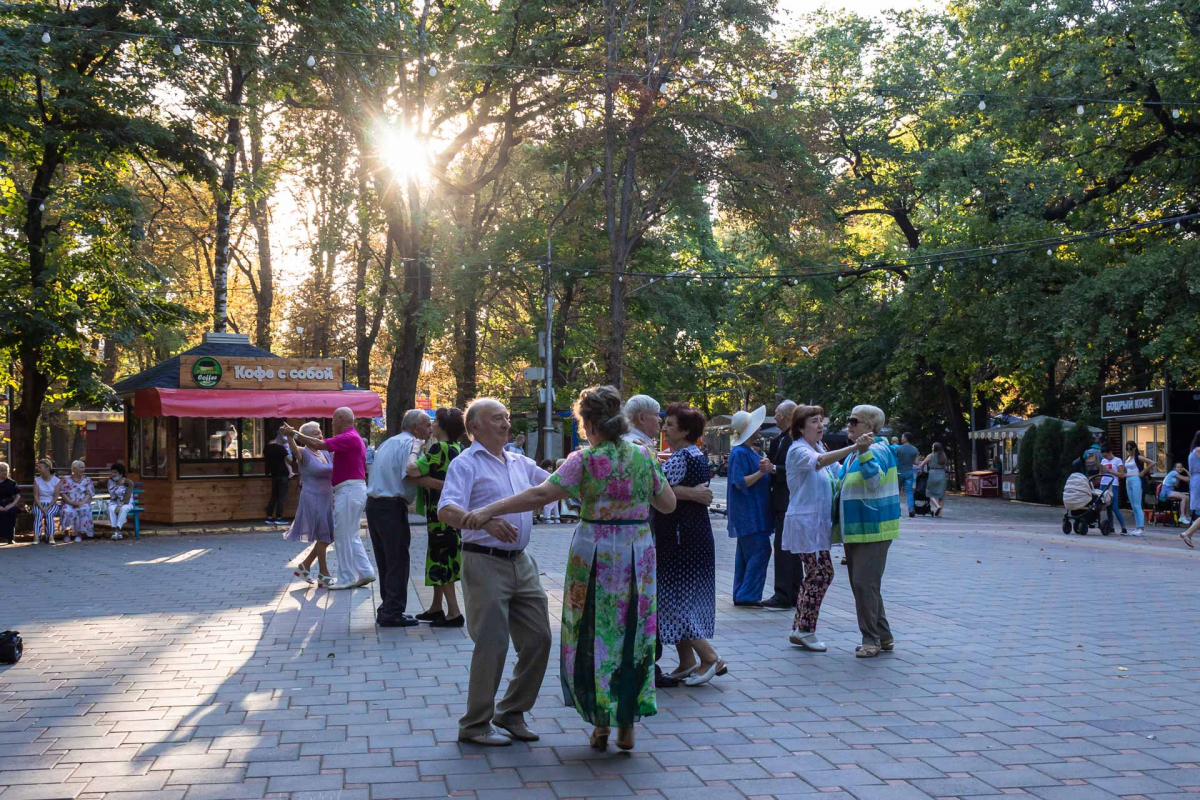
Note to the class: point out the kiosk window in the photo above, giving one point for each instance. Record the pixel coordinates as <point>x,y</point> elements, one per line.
<point>1151,440</point>
<point>149,438</point>
<point>220,448</point>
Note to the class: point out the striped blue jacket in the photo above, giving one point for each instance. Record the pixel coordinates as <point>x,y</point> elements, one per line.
<point>869,500</point>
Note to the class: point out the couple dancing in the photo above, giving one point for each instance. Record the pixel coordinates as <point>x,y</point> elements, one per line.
<point>609,617</point>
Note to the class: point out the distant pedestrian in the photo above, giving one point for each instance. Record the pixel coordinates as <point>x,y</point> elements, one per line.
<point>549,512</point>
<point>1193,489</point>
<point>47,503</point>
<point>1137,471</point>
<point>275,457</point>
<point>517,445</point>
<point>936,463</point>
<point>906,457</point>
<point>10,505</point>
<point>869,519</point>
<point>314,510</point>
<point>1169,490</point>
<point>77,491</point>
<point>1112,470</point>
<point>750,519</point>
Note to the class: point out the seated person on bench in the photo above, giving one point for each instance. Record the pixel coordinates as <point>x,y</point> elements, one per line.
<point>1169,491</point>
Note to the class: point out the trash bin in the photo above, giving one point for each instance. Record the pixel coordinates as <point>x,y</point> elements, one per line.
<point>983,483</point>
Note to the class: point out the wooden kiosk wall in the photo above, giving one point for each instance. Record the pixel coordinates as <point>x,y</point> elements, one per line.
<point>174,500</point>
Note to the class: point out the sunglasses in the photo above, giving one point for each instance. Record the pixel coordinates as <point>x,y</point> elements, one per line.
<point>852,421</point>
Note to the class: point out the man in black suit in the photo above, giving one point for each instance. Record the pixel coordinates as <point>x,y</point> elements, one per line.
<point>789,570</point>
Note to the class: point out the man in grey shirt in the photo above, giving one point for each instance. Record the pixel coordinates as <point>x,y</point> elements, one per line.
<point>906,454</point>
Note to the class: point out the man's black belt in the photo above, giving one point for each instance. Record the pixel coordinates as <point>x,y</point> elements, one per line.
<point>470,547</point>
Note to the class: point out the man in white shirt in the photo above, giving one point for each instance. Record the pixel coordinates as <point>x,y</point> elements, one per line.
<point>500,580</point>
<point>389,494</point>
<point>1112,469</point>
<point>517,445</point>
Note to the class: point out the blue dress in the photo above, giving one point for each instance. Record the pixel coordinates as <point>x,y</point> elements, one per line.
<point>1194,483</point>
<point>751,523</point>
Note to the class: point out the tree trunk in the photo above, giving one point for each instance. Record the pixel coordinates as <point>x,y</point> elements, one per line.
<point>958,427</point>
<point>1050,391</point>
<point>409,347</point>
<point>233,144</point>
<point>468,381</point>
<point>260,219</point>
<point>111,362</point>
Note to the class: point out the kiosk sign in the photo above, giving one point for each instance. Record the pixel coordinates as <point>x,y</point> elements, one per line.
<point>302,374</point>
<point>206,372</point>
<point>1132,404</point>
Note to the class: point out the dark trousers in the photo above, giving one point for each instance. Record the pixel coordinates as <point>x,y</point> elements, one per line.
<point>8,524</point>
<point>789,567</point>
<point>387,522</point>
<point>866,563</point>
<point>279,493</point>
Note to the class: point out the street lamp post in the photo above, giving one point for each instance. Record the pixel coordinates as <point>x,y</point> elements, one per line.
<point>548,423</point>
<point>741,386</point>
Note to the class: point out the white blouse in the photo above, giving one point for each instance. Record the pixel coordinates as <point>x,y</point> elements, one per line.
<point>45,489</point>
<point>808,524</point>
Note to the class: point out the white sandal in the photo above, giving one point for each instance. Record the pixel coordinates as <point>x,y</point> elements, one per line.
<point>682,672</point>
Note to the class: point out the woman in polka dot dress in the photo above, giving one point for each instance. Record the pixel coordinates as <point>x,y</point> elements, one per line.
<point>687,587</point>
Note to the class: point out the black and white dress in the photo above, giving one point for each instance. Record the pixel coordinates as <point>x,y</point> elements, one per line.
<point>687,585</point>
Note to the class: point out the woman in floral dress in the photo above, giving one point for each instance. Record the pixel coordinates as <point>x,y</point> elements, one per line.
<point>609,617</point>
<point>443,555</point>
<point>77,492</point>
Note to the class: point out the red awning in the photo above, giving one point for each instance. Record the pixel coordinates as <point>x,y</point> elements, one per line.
<point>251,403</point>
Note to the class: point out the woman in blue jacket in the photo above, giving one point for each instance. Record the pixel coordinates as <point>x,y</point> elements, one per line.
<point>750,519</point>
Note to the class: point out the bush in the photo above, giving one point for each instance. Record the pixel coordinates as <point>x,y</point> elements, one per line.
<point>1047,462</point>
<point>1075,441</point>
<point>1026,485</point>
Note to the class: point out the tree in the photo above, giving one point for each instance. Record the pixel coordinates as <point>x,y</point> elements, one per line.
<point>1027,485</point>
<point>1047,462</point>
<point>1076,440</point>
<point>75,115</point>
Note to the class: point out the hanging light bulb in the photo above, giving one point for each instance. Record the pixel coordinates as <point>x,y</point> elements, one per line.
<point>587,272</point>
<point>160,230</point>
<point>41,206</point>
<point>464,266</point>
<point>312,61</point>
<point>1174,113</point>
<point>45,35</point>
<point>982,103</point>
<point>774,93</point>
<point>177,49</point>
<point>620,279</point>
<point>995,260</point>
<point>432,71</point>
<point>1178,225</point>
<point>1079,109</point>
<point>1049,251</point>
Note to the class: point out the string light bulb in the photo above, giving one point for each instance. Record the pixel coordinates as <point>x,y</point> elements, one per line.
<point>982,103</point>
<point>1112,240</point>
<point>432,71</point>
<point>45,35</point>
<point>1079,109</point>
<point>177,49</point>
<point>1049,251</point>
<point>1178,225</point>
<point>995,260</point>
<point>774,93</point>
<point>312,61</point>
<point>1175,113</point>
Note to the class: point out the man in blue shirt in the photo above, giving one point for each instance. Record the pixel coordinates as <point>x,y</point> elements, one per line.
<point>906,454</point>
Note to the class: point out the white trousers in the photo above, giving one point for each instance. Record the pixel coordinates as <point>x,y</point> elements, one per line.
<point>349,500</point>
<point>117,514</point>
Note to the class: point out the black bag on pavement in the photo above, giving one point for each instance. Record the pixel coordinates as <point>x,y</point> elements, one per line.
<point>11,647</point>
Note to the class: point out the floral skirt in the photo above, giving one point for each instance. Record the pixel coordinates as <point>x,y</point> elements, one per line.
<point>609,623</point>
<point>443,556</point>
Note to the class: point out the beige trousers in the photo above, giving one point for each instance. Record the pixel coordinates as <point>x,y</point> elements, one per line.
<point>504,598</point>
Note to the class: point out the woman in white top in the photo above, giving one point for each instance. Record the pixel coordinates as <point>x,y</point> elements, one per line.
<point>76,492</point>
<point>808,524</point>
<point>1137,468</point>
<point>46,504</point>
<point>120,498</point>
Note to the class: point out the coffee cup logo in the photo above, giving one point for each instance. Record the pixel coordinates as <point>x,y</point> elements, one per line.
<point>206,372</point>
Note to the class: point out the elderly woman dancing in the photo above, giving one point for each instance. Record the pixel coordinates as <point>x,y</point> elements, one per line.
<point>869,515</point>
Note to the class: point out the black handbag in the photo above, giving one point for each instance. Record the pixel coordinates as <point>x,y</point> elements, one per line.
<point>11,647</point>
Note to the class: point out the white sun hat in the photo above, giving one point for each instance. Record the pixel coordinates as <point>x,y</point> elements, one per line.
<point>746,423</point>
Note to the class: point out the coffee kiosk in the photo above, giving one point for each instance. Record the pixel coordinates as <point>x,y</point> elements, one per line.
<point>196,425</point>
<point>1161,421</point>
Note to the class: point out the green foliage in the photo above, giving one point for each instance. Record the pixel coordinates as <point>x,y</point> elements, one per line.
<point>1047,462</point>
<point>1075,440</point>
<point>1027,486</point>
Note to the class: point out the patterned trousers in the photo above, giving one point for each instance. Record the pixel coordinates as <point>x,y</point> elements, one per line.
<point>818,574</point>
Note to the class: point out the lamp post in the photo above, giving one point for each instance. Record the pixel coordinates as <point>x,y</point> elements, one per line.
<point>548,424</point>
<point>741,386</point>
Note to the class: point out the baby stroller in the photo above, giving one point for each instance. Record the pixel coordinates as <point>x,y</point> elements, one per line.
<point>920,496</point>
<point>1085,506</point>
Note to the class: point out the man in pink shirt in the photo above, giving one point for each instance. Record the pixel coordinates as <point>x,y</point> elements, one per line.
<point>349,497</point>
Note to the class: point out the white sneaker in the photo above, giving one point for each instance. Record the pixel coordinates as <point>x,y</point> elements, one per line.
<point>1139,532</point>
<point>118,535</point>
<point>1185,520</point>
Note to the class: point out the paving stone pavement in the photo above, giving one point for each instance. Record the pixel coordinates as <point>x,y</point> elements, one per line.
<point>193,667</point>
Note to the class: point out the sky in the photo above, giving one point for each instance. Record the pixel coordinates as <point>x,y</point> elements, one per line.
<point>796,8</point>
